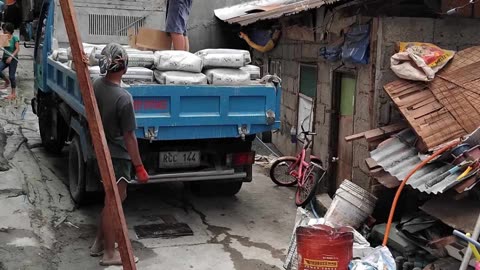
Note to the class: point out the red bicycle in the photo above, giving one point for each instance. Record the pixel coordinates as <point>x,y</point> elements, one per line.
<point>304,170</point>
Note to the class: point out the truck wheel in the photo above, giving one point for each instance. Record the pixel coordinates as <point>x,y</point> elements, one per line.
<point>224,189</point>
<point>47,117</point>
<point>76,171</point>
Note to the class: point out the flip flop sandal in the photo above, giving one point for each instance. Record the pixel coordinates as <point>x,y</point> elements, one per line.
<point>10,97</point>
<point>96,254</point>
<point>102,263</point>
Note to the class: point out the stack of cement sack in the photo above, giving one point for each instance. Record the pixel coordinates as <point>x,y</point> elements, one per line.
<point>178,68</point>
<point>140,62</point>
<point>228,66</point>
<point>210,66</point>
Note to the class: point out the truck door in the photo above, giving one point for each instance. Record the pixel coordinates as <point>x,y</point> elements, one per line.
<point>41,48</point>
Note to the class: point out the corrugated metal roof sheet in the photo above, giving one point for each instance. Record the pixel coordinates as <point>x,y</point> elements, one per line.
<point>398,158</point>
<point>248,13</point>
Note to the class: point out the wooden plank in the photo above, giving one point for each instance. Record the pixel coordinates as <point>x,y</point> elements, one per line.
<point>371,163</point>
<point>355,137</point>
<point>97,133</point>
<point>420,96</point>
<point>378,133</point>
<point>423,103</point>
<point>428,109</point>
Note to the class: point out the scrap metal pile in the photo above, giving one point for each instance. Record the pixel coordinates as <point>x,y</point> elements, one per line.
<point>210,66</point>
<point>445,193</point>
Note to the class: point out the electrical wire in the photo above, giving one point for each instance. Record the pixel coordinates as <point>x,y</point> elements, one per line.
<point>455,9</point>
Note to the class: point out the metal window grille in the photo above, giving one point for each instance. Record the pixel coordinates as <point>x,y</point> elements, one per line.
<point>113,25</point>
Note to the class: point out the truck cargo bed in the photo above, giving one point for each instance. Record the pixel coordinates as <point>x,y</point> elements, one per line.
<point>168,112</point>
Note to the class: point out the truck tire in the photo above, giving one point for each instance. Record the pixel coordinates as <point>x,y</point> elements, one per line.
<point>46,119</point>
<point>213,188</point>
<point>76,171</point>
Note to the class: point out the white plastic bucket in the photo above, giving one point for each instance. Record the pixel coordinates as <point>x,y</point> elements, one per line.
<point>351,206</point>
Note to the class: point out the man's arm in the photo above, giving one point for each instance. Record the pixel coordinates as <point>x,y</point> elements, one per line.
<point>132,147</point>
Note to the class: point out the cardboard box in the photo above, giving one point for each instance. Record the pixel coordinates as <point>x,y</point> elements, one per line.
<point>149,39</point>
<point>4,40</point>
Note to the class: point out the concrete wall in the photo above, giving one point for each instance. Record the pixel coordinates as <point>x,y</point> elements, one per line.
<point>451,33</point>
<point>204,29</point>
<point>291,54</point>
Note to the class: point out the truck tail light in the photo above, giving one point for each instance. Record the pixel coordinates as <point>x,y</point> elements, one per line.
<point>240,159</point>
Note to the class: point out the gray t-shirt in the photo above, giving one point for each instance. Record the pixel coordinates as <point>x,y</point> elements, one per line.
<point>118,116</point>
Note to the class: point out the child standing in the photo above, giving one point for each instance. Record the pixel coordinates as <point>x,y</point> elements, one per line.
<point>9,59</point>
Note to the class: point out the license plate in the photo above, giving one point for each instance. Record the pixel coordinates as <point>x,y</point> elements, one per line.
<point>186,159</point>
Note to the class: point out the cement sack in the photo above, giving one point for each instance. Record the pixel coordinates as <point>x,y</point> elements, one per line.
<point>224,60</point>
<point>178,61</point>
<point>227,76</point>
<point>89,51</point>
<point>253,70</point>
<point>180,78</point>
<point>134,74</point>
<point>419,61</point>
<point>246,54</point>
<point>141,59</point>
<point>60,55</point>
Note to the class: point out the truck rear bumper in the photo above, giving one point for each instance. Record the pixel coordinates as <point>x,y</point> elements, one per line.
<point>194,176</point>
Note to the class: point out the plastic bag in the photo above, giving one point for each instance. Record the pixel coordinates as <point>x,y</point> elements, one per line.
<point>178,61</point>
<point>333,52</point>
<point>419,61</point>
<point>226,76</point>
<point>180,78</point>
<point>379,259</point>
<point>356,48</point>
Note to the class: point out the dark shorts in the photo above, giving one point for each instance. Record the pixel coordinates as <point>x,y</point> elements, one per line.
<point>122,168</point>
<point>177,16</point>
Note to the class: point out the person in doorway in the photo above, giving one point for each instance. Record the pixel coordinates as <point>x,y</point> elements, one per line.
<point>118,117</point>
<point>10,60</point>
<point>176,23</point>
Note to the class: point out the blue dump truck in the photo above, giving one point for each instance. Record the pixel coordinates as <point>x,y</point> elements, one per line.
<point>199,134</point>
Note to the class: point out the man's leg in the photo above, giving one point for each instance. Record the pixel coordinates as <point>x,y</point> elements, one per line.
<point>111,256</point>
<point>176,22</point>
<point>122,168</point>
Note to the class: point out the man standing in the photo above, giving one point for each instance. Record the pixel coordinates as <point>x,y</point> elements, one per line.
<point>176,23</point>
<point>118,117</point>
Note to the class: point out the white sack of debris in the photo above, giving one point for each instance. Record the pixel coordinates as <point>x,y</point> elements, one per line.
<point>226,76</point>
<point>253,70</point>
<point>213,54</point>
<point>178,61</point>
<point>180,78</point>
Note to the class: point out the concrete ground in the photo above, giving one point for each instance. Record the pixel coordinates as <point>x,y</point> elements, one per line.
<point>40,228</point>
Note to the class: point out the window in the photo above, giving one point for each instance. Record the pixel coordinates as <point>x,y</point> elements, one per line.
<point>308,80</point>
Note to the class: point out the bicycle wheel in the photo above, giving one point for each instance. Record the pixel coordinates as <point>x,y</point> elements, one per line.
<point>306,191</point>
<point>280,172</point>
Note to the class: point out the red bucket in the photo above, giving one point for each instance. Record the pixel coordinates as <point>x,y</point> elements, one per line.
<point>321,247</point>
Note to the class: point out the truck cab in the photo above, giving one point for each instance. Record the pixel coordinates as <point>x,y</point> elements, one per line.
<point>201,134</point>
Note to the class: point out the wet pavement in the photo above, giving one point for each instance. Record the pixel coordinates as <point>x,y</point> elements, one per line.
<point>40,227</point>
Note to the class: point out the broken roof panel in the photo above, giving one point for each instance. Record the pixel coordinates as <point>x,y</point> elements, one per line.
<point>250,12</point>
<point>398,158</point>
<point>446,108</point>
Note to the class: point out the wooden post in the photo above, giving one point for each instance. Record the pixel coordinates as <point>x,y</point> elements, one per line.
<point>98,136</point>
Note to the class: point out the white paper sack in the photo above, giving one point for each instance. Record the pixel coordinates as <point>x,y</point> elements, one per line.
<point>247,57</point>
<point>141,59</point>
<point>60,55</point>
<point>133,74</point>
<point>225,76</point>
<point>178,61</point>
<point>224,60</point>
<point>89,52</point>
<point>180,78</point>
<point>253,70</point>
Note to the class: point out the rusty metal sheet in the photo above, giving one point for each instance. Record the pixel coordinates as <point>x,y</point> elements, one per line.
<point>459,214</point>
<point>250,12</point>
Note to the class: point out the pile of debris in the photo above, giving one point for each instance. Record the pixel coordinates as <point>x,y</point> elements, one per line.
<point>444,194</point>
